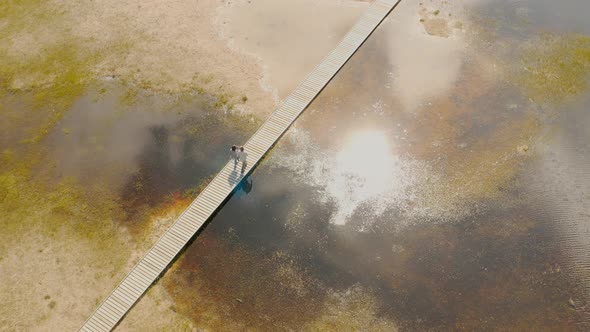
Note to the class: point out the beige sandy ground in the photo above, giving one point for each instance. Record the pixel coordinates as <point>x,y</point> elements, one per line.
<point>172,44</point>
<point>252,48</point>
<point>53,282</point>
<point>288,38</point>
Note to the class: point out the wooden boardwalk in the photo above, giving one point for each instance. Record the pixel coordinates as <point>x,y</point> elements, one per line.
<point>157,259</point>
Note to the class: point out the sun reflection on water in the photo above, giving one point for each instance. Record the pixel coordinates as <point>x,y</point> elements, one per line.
<point>363,170</point>
<point>367,157</point>
<point>362,176</point>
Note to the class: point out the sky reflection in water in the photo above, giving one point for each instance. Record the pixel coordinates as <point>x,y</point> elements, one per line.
<point>422,202</point>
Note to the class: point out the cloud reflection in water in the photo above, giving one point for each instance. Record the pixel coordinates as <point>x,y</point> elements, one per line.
<point>363,172</point>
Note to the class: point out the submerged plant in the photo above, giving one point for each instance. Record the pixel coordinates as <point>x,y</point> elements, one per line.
<point>555,68</point>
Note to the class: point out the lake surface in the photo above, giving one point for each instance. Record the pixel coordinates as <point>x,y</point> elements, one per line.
<point>425,189</point>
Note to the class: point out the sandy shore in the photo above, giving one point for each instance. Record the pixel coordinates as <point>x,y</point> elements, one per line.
<point>287,38</point>
<point>171,46</point>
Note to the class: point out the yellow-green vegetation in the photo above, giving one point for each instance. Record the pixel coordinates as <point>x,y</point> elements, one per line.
<point>476,165</point>
<point>32,203</point>
<point>23,15</point>
<point>241,122</point>
<point>27,205</point>
<point>482,171</point>
<point>51,77</point>
<point>63,232</point>
<point>555,68</point>
<point>223,100</point>
<point>353,310</point>
<point>195,86</point>
<point>490,170</point>
<point>45,68</point>
<point>229,122</point>
<point>129,95</point>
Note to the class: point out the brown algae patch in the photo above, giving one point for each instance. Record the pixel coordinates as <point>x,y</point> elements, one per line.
<point>230,288</point>
<point>434,24</point>
<point>554,68</point>
<point>65,225</point>
<point>233,288</point>
<point>438,22</point>
<point>354,309</point>
<point>477,275</point>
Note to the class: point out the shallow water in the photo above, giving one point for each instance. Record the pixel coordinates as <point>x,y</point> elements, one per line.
<point>143,151</point>
<point>288,37</point>
<point>563,16</point>
<point>423,185</point>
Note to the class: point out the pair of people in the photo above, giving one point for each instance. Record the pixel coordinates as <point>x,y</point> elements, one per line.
<point>238,154</point>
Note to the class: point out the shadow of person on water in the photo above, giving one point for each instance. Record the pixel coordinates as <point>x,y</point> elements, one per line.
<point>246,185</point>
<point>233,178</point>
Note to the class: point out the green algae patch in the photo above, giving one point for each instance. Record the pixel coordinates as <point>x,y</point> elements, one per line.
<point>23,15</point>
<point>46,85</point>
<point>482,172</point>
<point>230,122</point>
<point>63,74</point>
<point>478,152</point>
<point>30,206</point>
<point>9,192</point>
<point>44,64</point>
<point>130,96</point>
<point>489,171</point>
<point>555,68</point>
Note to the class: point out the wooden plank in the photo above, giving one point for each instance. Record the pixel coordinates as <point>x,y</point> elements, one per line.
<point>147,270</point>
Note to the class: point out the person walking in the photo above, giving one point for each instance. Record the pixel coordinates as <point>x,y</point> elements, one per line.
<point>234,154</point>
<point>243,157</point>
